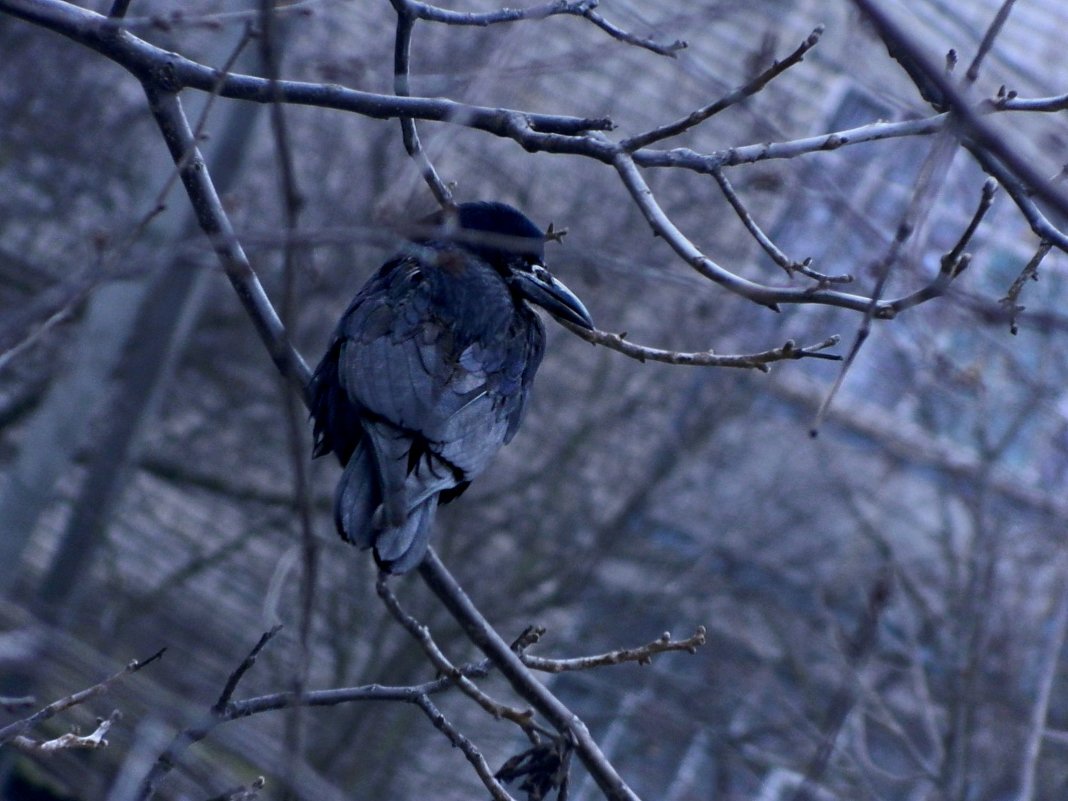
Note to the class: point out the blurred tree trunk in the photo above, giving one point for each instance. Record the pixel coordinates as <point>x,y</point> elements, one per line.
<point>136,372</point>
<point>58,428</point>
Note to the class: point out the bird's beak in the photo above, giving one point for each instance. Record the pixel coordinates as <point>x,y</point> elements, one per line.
<point>539,287</point>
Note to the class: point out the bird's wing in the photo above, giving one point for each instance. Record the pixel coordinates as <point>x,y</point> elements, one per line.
<point>438,398</point>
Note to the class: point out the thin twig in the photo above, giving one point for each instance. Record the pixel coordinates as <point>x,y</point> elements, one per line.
<point>952,260</point>
<point>977,129</point>
<point>988,40</point>
<point>1028,273</point>
<point>707,358</point>
<point>618,33</point>
<point>768,296</point>
<point>578,8</point>
<point>643,654</point>
<point>409,133</point>
<point>432,13</point>
<point>735,96</point>
<point>223,702</point>
<point>451,594</point>
<point>789,265</point>
<point>19,727</point>
<point>956,260</point>
<point>522,717</point>
<point>69,741</point>
<point>467,748</point>
<point>928,183</point>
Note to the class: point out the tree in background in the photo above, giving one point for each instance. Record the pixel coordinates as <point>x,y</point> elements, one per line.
<point>885,604</point>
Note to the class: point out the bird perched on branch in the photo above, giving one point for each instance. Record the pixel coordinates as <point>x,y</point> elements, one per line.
<point>428,371</point>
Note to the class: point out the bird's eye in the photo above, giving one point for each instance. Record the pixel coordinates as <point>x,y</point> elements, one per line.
<point>539,272</point>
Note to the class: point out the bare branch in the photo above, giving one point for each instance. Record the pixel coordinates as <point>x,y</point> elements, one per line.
<point>758,293</point>
<point>69,741</point>
<point>432,13</point>
<point>737,95</point>
<point>167,111</point>
<point>223,702</point>
<point>409,134</point>
<point>1028,273</point>
<point>1009,101</point>
<point>976,128</point>
<point>988,40</point>
<point>449,592</point>
<point>226,710</point>
<point>12,730</point>
<point>578,8</point>
<point>951,262</point>
<point>522,717</point>
<point>780,258</point>
<point>467,748</point>
<point>629,38</point>
<point>172,72</point>
<point>708,358</point>
<point>643,654</point>
<point>765,151</point>
<point>956,261</point>
<point>1021,197</point>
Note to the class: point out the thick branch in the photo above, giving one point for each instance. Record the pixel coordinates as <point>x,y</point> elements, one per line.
<point>156,66</point>
<point>438,659</point>
<point>975,127</point>
<point>1020,195</point>
<point>172,122</point>
<point>577,8</point>
<point>467,748</point>
<point>449,592</point>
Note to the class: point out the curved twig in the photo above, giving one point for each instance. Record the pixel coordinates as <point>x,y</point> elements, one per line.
<point>741,93</point>
<point>401,63</point>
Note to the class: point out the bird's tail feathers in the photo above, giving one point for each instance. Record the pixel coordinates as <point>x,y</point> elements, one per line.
<point>356,499</point>
<point>401,548</point>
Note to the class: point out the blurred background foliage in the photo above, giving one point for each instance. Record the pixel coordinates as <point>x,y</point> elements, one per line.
<point>146,482</point>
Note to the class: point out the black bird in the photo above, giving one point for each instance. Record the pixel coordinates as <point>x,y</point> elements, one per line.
<point>428,372</point>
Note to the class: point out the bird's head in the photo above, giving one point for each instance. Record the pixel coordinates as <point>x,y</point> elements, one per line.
<point>508,240</point>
